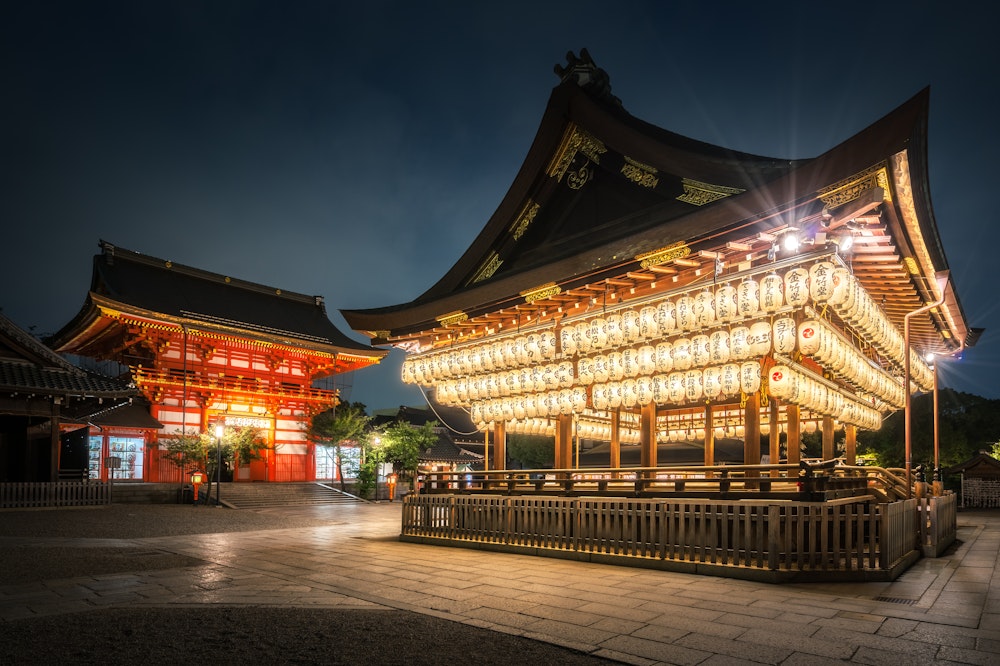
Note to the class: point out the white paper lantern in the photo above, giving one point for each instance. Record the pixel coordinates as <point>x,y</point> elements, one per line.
<point>821,281</point>
<point>725,303</point>
<point>648,328</point>
<point>664,356</point>
<point>532,348</point>
<point>693,387</point>
<point>408,375</point>
<point>630,362</point>
<point>675,387</point>
<point>616,330</point>
<point>599,395</point>
<point>779,381</point>
<point>644,390</point>
<point>631,325</point>
<point>784,335</point>
<point>579,399</point>
<point>704,309</point>
<point>581,337</point>
<point>682,353</point>
<point>739,343</point>
<point>585,370</point>
<point>760,339</point>
<point>718,347</point>
<point>841,286</point>
<point>699,350</point>
<point>712,382</point>
<point>564,374</point>
<point>750,376</point>
<point>748,298</point>
<point>630,394</point>
<point>666,316</point>
<point>660,390</point>
<point>646,356</point>
<point>614,394</point>
<point>520,413</point>
<point>598,333</point>
<point>772,296</point>
<point>809,337</point>
<point>616,366</point>
<point>797,287</point>
<point>602,372</point>
<point>685,313</point>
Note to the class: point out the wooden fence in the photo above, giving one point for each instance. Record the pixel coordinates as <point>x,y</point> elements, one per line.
<point>938,522</point>
<point>847,539</point>
<point>51,494</point>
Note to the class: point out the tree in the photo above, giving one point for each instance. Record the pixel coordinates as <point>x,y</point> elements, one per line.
<point>402,443</point>
<point>336,427</point>
<point>192,451</point>
<point>532,451</point>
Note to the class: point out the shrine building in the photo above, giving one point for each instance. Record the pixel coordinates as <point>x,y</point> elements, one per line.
<point>637,287</point>
<point>207,349</point>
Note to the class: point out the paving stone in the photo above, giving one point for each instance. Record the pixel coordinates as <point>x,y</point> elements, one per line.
<point>655,650</point>
<point>737,649</point>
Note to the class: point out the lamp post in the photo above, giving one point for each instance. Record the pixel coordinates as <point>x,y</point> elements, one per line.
<point>942,282</point>
<point>219,431</point>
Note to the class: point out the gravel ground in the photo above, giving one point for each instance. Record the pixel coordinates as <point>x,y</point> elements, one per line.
<point>225,635</point>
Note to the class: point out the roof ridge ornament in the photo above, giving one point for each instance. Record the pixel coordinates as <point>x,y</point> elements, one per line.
<point>586,74</point>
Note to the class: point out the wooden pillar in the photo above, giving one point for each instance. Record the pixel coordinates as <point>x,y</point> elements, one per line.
<point>54,443</point>
<point>751,431</point>
<point>500,445</point>
<point>616,439</point>
<point>774,436</point>
<point>793,432</point>
<point>486,449</point>
<point>709,437</point>
<point>851,445</point>
<point>564,441</point>
<point>647,435</point>
<point>828,452</point>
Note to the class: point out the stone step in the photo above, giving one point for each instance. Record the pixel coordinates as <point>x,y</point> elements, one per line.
<point>258,495</point>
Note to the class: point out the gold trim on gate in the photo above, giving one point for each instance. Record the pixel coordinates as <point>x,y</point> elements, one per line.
<point>524,220</point>
<point>640,173</point>
<point>575,140</point>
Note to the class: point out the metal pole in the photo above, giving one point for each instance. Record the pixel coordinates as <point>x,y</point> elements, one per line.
<point>942,284</point>
<point>937,462</point>
<point>218,471</point>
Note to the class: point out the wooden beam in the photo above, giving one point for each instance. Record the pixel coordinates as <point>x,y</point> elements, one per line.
<point>793,434</point>
<point>751,431</point>
<point>647,435</point>
<point>828,452</point>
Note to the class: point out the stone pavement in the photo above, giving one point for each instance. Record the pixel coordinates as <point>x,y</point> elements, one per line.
<point>944,610</point>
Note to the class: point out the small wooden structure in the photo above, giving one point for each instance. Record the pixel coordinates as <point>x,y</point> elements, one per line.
<point>980,481</point>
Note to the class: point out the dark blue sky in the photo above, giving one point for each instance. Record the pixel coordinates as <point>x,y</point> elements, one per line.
<point>354,151</point>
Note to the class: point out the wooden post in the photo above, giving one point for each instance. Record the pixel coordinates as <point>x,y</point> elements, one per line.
<point>774,437</point>
<point>486,449</point>
<point>828,452</point>
<point>647,435</point>
<point>709,437</point>
<point>564,441</point>
<point>793,432</point>
<point>851,444</point>
<point>616,439</point>
<point>500,445</point>
<point>751,431</point>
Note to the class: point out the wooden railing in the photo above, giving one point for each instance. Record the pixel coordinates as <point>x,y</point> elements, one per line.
<point>802,482</point>
<point>938,522</point>
<point>57,493</point>
<point>853,538</point>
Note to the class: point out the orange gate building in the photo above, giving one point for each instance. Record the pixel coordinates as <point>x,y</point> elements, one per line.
<point>207,349</point>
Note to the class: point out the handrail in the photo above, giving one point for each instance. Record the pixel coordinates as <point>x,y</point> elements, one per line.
<point>824,481</point>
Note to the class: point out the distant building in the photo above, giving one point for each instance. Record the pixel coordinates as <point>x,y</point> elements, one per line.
<point>207,349</point>
<point>48,406</point>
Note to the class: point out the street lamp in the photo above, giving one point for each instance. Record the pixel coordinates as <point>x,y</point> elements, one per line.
<point>219,431</point>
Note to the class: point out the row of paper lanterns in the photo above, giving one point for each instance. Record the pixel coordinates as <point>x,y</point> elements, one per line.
<point>791,385</point>
<point>855,306</point>
<point>818,340</point>
<point>812,337</point>
<point>676,388</point>
<point>822,283</point>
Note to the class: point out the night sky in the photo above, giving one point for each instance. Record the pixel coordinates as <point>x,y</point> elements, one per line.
<point>355,150</point>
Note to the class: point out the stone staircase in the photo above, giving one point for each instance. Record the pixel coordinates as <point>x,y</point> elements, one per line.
<point>260,495</point>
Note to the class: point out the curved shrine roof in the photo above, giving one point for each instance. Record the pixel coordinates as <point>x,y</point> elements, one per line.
<point>146,286</point>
